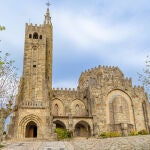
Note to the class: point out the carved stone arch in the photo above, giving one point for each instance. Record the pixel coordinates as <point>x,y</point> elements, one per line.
<point>78,108</point>
<point>57,98</point>
<point>29,118</point>
<point>57,107</point>
<point>29,121</point>
<point>77,99</point>
<point>111,102</point>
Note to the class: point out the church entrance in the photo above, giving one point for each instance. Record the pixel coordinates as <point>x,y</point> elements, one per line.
<point>31,130</point>
<point>82,129</point>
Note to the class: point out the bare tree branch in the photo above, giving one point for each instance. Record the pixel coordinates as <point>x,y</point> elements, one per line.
<point>145,76</point>
<point>8,88</point>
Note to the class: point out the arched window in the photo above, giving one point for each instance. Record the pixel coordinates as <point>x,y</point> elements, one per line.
<point>77,109</point>
<point>30,36</point>
<point>56,109</point>
<point>40,36</point>
<point>35,35</point>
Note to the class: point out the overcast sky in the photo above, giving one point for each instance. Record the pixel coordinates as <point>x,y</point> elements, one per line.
<point>87,33</point>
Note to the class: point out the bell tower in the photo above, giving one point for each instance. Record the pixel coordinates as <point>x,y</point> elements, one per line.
<point>49,46</point>
<point>32,102</point>
<point>37,70</point>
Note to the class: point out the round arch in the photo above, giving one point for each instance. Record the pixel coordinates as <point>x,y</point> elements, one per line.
<point>29,118</point>
<point>116,93</point>
<point>30,121</point>
<point>59,124</point>
<point>82,129</point>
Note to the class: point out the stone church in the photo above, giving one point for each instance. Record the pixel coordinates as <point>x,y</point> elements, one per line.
<point>105,100</point>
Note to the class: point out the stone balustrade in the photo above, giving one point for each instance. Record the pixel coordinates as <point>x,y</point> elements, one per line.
<point>33,104</point>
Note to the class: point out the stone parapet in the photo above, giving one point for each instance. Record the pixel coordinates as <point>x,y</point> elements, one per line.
<point>33,104</point>
<point>65,91</point>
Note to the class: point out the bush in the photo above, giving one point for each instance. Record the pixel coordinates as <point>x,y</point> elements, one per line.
<point>133,133</point>
<point>143,132</point>
<point>110,134</point>
<point>1,146</point>
<point>104,135</point>
<point>62,133</point>
<point>4,133</point>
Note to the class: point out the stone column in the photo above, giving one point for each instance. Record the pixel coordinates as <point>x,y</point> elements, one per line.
<point>124,129</point>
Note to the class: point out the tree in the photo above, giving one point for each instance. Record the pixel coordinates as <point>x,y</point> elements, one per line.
<point>2,28</point>
<point>8,87</point>
<point>145,76</point>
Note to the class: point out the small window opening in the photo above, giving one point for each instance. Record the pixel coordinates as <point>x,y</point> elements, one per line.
<point>35,35</point>
<point>77,109</point>
<point>40,36</point>
<point>30,36</point>
<point>34,66</point>
<point>56,109</point>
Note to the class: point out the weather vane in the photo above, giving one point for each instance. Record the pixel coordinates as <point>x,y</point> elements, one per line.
<point>48,4</point>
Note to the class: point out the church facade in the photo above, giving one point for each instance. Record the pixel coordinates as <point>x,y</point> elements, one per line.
<point>105,100</point>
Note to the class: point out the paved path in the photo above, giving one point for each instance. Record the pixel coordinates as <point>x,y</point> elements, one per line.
<point>120,143</point>
<point>39,146</point>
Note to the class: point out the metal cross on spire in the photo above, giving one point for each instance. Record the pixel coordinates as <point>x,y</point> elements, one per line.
<point>48,4</point>
<point>47,16</point>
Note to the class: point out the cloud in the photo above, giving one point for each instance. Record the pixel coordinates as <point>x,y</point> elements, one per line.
<point>85,31</point>
<point>128,58</point>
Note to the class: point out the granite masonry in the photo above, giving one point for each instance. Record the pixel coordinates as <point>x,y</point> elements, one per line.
<point>105,100</point>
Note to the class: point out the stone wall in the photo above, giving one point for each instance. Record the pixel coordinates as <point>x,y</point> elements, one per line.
<point>105,100</point>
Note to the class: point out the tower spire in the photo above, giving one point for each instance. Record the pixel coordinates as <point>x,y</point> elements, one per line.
<point>47,16</point>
